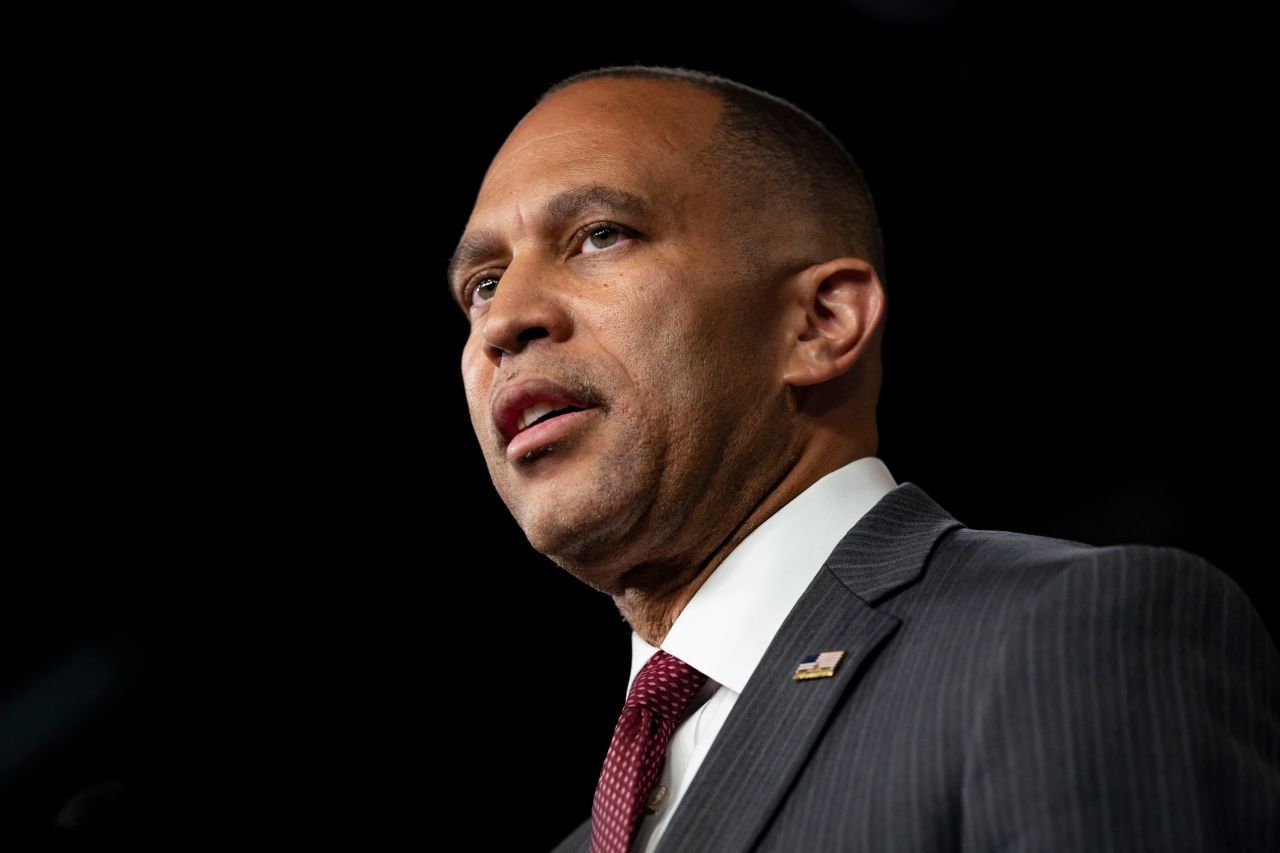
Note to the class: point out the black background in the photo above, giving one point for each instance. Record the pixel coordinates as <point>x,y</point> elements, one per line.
<point>259,574</point>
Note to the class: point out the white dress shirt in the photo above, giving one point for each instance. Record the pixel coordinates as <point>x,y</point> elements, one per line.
<point>726,627</point>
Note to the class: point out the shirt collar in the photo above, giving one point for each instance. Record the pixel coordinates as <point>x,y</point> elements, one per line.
<point>729,623</point>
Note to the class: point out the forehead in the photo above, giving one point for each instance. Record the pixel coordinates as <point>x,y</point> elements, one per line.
<point>632,132</point>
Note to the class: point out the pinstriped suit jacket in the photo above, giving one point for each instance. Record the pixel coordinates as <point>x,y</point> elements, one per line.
<point>999,691</point>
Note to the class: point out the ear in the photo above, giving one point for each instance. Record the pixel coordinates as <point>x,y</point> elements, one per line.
<point>836,307</point>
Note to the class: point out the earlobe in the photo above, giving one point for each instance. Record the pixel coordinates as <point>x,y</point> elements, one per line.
<point>838,306</point>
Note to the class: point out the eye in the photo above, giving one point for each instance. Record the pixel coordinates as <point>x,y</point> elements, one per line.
<point>484,288</point>
<point>599,237</point>
<point>596,238</point>
<point>481,291</point>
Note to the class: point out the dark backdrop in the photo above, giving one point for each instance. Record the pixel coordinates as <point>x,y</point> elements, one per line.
<point>260,577</point>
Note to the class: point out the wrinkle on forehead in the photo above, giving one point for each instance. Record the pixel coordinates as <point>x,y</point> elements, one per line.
<point>510,154</point>
<point>626,107</point>
<point>608,126</point>
<point>506,152</point>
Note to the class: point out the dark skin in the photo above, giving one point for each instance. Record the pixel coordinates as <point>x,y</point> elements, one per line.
<point>723,387</point>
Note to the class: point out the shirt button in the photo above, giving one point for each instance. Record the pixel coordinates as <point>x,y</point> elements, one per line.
<point>657,796</point>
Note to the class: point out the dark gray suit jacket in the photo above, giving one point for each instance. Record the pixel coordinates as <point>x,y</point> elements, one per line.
<point>999,691</point>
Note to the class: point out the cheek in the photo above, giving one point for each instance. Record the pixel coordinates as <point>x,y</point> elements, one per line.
<point>683,373</point>
<point>476,381</point>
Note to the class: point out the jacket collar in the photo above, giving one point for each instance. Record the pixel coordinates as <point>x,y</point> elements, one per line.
<point>887,549</point>
<point>776,722</point>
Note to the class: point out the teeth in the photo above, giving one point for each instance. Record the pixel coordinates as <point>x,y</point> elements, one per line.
<point>534,412</point>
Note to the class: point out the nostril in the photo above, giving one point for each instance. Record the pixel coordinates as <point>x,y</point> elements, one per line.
<point>532,333</point>
<point>503,343</point>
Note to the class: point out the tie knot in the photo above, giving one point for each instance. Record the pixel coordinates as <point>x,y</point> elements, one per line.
<point>665,684</point>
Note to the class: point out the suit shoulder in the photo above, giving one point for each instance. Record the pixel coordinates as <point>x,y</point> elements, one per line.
<point>1147,590</point>
<point>1012,546</point>
<point>1031,571</point>
<point>1143,686</point>
<point>1049,556</point>
<point>1154,577</point>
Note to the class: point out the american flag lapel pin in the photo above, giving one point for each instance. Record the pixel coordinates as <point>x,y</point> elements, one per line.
<point>818,666</point>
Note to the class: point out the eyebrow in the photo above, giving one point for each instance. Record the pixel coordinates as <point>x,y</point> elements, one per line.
<point>570,204</point>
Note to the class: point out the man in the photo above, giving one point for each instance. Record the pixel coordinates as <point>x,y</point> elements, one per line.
<point>674,290</point>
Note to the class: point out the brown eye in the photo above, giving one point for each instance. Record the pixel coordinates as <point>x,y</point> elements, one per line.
<point>484,289</point>
<point>601,238</point>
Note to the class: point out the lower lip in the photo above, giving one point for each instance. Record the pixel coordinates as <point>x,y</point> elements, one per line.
<point>544,433</point>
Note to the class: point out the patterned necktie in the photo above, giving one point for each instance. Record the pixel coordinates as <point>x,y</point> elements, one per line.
<point>657,702</point>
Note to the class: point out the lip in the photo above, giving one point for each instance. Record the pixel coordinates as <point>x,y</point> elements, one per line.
<point>514,399</point>
<point>541,434</point>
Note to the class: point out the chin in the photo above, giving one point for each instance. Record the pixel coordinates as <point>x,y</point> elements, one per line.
<point>563,535</point>
<point>586,532</point>
<point>587,506</point>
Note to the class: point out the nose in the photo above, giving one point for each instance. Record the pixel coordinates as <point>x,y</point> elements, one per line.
<point>526,306</point>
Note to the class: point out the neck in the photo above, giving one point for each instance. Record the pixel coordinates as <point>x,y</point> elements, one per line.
<point>651,613</point>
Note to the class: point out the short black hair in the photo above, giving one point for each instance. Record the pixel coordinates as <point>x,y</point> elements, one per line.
<point>770,150</point>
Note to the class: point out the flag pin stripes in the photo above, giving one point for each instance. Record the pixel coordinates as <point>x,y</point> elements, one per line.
<point>818,666</point>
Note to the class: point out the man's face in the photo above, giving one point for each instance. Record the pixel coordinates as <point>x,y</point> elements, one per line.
<point>605,284</point>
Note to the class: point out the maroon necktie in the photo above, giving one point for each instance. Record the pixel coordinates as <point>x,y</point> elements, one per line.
<point>657,702</point>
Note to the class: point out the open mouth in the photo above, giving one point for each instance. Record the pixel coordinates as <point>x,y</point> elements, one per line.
<point>539,412</point>
<point>542,411</point>
<point>544,425</point>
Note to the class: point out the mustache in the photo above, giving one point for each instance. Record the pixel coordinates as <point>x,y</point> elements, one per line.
<point>579,381</point>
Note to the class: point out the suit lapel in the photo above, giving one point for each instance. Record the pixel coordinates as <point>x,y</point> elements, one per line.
<point>776,722</point>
